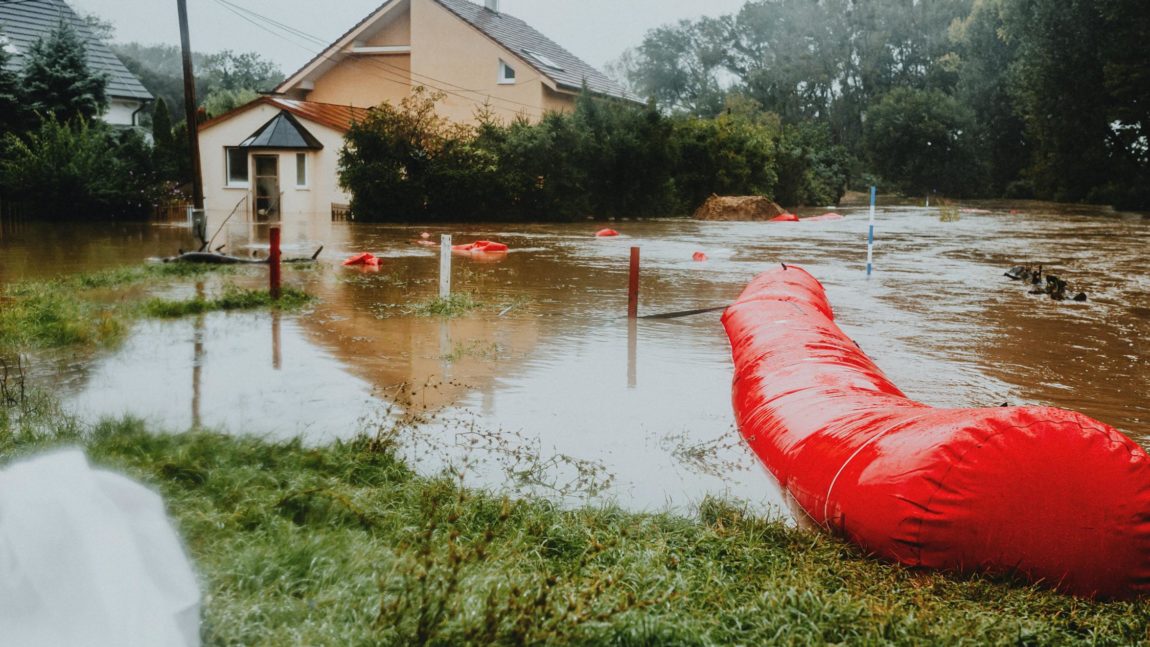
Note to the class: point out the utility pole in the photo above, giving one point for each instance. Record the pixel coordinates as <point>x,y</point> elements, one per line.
<point>199,224</point>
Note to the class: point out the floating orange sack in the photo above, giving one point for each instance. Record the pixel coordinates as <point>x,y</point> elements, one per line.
<point>1048,494</point>
<point>480,246</point>
<point>362,259</point>
<point>786,217</point>
<point>605,233</point>
<point>699,256</point>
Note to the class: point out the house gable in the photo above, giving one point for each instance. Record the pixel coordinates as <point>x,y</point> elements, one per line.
<point>455,47</point>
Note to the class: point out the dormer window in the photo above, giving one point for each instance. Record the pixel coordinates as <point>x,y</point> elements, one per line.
<point>506,73</point>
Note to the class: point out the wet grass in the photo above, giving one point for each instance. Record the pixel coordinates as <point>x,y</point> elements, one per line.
<point>455,305</point>
<point>232,298</point>
<point>344,545</point>
<point>96,310</point>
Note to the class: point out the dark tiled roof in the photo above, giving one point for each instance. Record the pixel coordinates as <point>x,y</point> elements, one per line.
<point>568,71</point>
<point>282,132</point>
<point>23,22</point>
<point>326,114</point>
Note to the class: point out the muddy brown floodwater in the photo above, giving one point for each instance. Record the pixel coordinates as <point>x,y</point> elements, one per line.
<point>547,388</point>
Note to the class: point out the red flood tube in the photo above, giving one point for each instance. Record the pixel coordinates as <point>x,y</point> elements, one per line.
<point>1048,494</point>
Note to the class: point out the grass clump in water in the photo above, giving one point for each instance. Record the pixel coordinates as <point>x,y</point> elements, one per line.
<point>455,305</point>
<point>233,298</point>
<point>344,545</point>
<point>948,213</point>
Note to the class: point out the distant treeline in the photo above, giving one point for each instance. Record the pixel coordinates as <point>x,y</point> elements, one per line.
<point>605,158</point>
<point>987,98</point>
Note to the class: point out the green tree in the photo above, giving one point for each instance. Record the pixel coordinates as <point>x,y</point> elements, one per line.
<point>170,146</point>
<point>229,70</point>
<point>388,159</point>
<point>985,55</point>
<point>732,154</point>
<point>920,141</point>
<point>1060,90</point>
<point>679,66</point>
<point>57,80</point>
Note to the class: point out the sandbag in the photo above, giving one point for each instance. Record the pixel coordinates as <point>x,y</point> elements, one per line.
<point>1044,493</point>
<point>88,557</point>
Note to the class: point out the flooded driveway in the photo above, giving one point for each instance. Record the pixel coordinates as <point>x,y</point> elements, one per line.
<point>547,387</point>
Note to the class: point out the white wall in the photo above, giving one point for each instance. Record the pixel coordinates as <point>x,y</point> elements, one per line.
<point>120,112</point>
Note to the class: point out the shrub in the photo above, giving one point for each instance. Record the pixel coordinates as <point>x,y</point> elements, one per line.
<point>78,169</point>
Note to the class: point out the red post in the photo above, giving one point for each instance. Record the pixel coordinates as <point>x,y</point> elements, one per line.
<point>274,261</point>
<point>633,285</point>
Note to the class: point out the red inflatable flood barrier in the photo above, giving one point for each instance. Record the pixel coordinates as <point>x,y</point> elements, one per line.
<point>1045,493</point>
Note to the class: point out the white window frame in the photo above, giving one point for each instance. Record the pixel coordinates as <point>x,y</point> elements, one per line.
<point>228,181</point>
<point>306,171</point>
<point>504,68</point>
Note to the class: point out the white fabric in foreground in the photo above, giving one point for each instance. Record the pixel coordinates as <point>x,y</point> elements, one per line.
<point>89,558</point>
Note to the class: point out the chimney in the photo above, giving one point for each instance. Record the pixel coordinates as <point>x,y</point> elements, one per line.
<point>492,5</point>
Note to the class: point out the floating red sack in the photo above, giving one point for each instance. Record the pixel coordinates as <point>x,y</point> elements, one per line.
<point>480,246</point>
<point>825,216</point>
<point>786,217</point>
<point>362,259</point>
<point>1047,494</point>
<point>605,233</point>
<point>699,256</point>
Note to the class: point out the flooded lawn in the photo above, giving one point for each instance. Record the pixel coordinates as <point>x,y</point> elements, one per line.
<point>546,386</point>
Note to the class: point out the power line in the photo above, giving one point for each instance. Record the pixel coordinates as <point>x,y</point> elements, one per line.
<point>395,73</point>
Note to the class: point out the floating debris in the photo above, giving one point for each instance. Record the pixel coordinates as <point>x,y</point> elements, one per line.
<point>1054,286</point>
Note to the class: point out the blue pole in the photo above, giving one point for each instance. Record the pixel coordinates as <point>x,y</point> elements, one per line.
<point>870,236</point>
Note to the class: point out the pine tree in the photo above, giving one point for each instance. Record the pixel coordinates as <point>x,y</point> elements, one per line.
<point>162,125</point>
<point>57,81</point>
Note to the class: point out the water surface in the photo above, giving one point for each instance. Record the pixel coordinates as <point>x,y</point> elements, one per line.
<point>548,387</point>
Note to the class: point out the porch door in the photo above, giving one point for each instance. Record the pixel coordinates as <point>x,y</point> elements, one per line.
<point>267,187</point>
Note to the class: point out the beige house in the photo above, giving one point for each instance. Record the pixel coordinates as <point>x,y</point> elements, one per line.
<point>288,145</point>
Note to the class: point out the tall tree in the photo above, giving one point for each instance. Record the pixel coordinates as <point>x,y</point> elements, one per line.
<point>57,80</point>
<point>985,53</point>
<point>1060,90</point>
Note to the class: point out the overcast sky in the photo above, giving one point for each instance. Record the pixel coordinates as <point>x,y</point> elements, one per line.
<point>596,31</point>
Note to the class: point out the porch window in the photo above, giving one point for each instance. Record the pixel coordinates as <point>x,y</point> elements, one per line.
<point>301,170</point>
<point>237,162</point>
<point>506,73</point>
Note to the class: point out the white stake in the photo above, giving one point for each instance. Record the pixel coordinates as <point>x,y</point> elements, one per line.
<point>444,267</point>
<point>870,236</point>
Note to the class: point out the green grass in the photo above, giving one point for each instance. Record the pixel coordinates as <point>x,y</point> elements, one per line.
<point>232,298</point>
<point>344,545</point>
<point>96,310</point>
<point>455,305</point>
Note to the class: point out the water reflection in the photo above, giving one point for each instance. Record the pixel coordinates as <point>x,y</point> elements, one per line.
<point>547,385</point>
